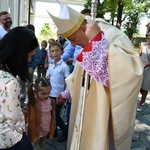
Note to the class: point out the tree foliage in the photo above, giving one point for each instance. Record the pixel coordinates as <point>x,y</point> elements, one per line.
<point>124,14</point>
<point>137,10</point>
<point>46,31</point>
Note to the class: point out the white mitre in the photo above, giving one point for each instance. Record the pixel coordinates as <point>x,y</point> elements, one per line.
<point>69,20</point>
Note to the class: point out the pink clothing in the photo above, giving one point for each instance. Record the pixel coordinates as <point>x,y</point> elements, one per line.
<point>41,120</point>
<point>94,59</point>
<point>66,95</point>
<point>46,108</point>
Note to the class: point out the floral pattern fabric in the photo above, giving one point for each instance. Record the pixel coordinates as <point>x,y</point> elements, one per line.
<point>46,109</point>
<point>94,59</point>
<point>12,124</point>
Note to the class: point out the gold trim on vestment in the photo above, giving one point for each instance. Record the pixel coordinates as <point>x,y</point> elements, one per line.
<point>75,28</point>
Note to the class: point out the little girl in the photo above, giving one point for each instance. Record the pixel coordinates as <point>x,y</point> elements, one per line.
<point>41,120</point>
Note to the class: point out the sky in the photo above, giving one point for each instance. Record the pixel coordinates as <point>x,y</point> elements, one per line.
<point>143,22</point>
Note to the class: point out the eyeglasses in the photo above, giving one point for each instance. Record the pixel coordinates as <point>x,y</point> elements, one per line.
<point>5,19</point>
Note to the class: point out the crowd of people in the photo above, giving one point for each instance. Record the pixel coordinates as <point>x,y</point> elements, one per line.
<point>53,66</point>
<point>98,48</point>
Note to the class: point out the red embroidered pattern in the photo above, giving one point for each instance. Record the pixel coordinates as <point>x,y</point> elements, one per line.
<point>94,59</point>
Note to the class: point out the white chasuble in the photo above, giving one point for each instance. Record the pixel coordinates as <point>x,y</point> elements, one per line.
<point>113,98</point>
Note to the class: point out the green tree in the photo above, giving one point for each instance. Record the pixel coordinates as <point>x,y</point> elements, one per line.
<point>133,14</point>
<point>110,7</point>
<point>124,14</point>
<point>100,12</point>
<point>119,13</point>
<point>46,31</point>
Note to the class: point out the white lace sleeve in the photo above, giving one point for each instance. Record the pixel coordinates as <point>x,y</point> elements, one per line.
<point>94,59</point>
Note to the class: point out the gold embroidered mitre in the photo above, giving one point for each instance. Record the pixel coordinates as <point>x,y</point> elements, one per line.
<point>68,21</point>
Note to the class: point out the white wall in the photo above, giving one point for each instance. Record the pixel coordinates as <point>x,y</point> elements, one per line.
<point>18,10</point>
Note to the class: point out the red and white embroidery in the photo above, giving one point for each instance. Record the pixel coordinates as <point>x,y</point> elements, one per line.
<point>94,59</point>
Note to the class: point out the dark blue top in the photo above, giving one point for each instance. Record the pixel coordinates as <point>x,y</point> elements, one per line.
<point>35,59</point>
<point>43,54</point>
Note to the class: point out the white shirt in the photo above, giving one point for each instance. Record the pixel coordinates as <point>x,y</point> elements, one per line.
<point>58,72</point>
<point>2,32</point>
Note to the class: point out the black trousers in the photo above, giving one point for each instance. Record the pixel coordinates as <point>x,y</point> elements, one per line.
<point>59,120</point>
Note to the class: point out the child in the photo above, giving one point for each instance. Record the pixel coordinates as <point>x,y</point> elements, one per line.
<point>41,70</point>
<point>41,120</point>
<point>48,59</point>
<point>57,72</point>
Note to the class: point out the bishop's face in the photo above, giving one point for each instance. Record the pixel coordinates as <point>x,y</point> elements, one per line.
<point>79,37</point>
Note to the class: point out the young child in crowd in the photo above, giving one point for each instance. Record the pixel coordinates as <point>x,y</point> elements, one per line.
<point>57,72</point>
<point>48,59</point>
<point>41,70</point>
<point>41,120</point>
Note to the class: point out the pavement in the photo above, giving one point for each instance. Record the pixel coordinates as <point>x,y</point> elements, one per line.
<point>141,135</point>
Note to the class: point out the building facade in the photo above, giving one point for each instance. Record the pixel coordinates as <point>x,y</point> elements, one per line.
<point>18,9</point>
<point>34,12</point>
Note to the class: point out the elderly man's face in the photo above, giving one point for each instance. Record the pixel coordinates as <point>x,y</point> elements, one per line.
<point>79,37</point>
